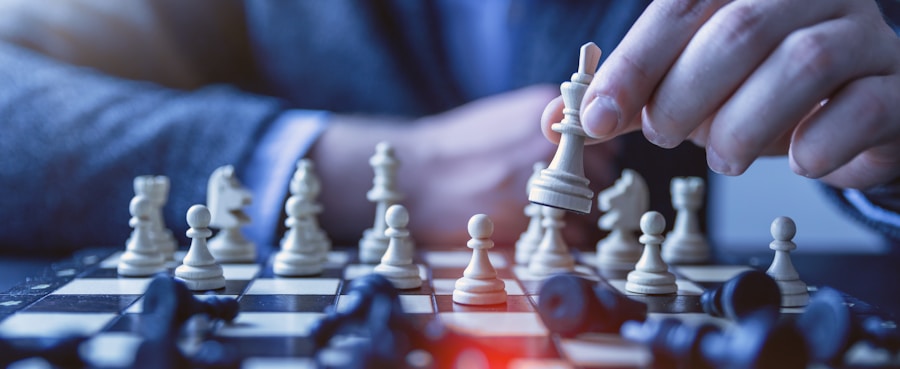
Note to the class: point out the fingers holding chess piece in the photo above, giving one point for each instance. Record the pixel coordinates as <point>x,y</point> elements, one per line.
<point>563,184</point>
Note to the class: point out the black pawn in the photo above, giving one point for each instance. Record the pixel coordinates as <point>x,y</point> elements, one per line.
<point>742,295</point>
<point>673,343</point>
<point>168,303</point>
<point>570,305</point>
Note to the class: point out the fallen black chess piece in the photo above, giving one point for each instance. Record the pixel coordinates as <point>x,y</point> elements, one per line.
<point>570,305</point>
<point>60,352</point>
<point>742,295</point>
<point>165,354</point>
<point>168,303</point>
<point>372,314</point>
<point>371,331</point>
<point>758,341</point>
<point>831,328</point>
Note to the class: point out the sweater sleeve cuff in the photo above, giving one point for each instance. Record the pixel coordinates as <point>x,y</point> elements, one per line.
<point>877,208</point>
<point>271,166</point>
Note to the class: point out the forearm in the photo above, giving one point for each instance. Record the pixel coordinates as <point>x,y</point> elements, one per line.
<point>73,140</point>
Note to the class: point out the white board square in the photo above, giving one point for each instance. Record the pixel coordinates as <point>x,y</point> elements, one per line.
<point>411,304</point>
<point>711,273</point>
<point>353,271</point>
<point>240,272</point>
<point>104,286</point>
<point>494,324</point>
<point>602,350</point>
<point>444,286</point>
<point>54,324</point>
<point>460,259</point>
<point>294,286</point>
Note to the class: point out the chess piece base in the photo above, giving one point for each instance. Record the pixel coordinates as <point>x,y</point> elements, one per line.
<point>402,277</point>
<point>296,265</point>
<point>685,249</point>
<point>470,291</point>
<point>651,283</point>
<point>372,247</point>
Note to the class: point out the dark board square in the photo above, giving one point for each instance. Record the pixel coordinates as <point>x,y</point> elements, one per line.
<point>83,303</point>
<point>283,303</point>
<point>520,304</point>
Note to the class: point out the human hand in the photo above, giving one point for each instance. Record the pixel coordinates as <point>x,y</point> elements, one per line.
<point>474,159</point>
<point>743,78</point>
<point>477,159</point>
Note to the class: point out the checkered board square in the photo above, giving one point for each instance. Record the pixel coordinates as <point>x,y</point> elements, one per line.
<point>85,296</point>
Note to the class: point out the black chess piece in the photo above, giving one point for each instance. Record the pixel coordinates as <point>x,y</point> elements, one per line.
<point>374,313</point>
<point>831,328</point>
<point>746,293</point>
<point>168,303</point>
<point>165,354</point>
<point>570,305</point>
<point>60,352</point>
<point>758,341</point>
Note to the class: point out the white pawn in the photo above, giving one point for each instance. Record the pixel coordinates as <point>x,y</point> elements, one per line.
<point>300,254</point>
<point>624,203</point>
<point>686,244</point>
<point>529,241</point>
<point>552,255</point>
<point>479,284</point>
<point>199,270</point>
<point>384,193</point>
<point>651,275</point>
<point>397,263</point>
<point>141,257</point>
<point>793,290</point>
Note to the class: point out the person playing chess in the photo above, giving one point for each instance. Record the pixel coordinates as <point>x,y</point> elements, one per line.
<point>95,93</point>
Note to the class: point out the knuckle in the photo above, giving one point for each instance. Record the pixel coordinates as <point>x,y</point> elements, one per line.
<point>810,55</point>
<point>690,8</point>
<point>739,22</point>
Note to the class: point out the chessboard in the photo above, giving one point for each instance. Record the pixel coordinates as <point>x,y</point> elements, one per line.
<point>85,297</point>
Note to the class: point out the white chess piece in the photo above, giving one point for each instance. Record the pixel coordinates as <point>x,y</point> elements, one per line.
<point>651,275</point>
<point>793,290</point>
<point>624,203</point>
<point>141,257</point>
<point>529,241</point>
<point>563,184</point>
<point>479,284</point>
<point>384,193</point>
<point>226,198</point>
<point>305,182</point>
<point>397,263</point>
<point>552,255</point>
<point>685,244</point>
<point>156,189</point>
<point>199,270</point>
<point>300,254</point>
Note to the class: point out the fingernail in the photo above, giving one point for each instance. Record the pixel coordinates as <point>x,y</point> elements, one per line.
<point>796,167</point>
<point>601,117</point>
<point>716,163</point>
